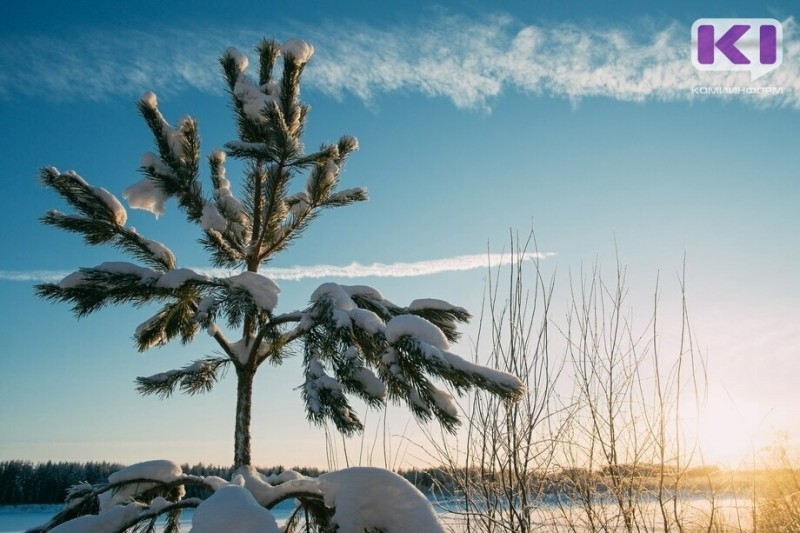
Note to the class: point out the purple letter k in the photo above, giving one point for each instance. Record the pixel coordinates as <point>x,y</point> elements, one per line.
<point>726,44</point>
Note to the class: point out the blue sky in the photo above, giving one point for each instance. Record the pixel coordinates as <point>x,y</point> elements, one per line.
<point>473,119</point>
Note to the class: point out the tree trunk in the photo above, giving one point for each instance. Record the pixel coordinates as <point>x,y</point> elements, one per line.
<point>244,402</point>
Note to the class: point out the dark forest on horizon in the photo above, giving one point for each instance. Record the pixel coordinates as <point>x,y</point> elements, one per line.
<point>25,482</point>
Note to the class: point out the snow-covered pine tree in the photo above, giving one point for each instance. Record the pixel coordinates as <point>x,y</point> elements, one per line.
<point>354,342</point>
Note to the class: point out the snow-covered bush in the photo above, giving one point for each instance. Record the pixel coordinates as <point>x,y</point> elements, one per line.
<point>354,499</point>
<point>353,341</point>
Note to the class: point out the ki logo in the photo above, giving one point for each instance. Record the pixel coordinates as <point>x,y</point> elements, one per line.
<point>754,45</point>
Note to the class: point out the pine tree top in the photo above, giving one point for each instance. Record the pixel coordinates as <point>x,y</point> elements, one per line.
<point>354,342</point>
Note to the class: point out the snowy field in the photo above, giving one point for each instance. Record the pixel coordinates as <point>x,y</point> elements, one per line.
<point>734,513</point>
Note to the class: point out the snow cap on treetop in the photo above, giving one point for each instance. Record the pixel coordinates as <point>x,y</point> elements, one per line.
<point>149,99</point>
<point>239,59</point>
<point>218,156</point>
<point>349,143</point>
<point>299,50</point>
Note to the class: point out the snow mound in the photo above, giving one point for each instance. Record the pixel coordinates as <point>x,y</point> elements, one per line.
<point>367,498</point>
<point>233,508</point>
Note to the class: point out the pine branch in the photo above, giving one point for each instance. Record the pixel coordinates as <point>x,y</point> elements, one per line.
<point>236,303</point>
<point>268,52</point>
<point>250,129</point>
<point>275,212</point>
<point>407,383</point>
<point>179,150</point>
<point>356,378</point>
<point>238,222</point>
<point>95,203</point>
<point>90,289</point>
<point>198,377</point>
<point>148,251</point>
<point>174,319</point>
<point>93,231</point>
<point>222,253</point>
<point>81,500</point>
<point>103,220</point>
<point>325,399</point>
<point>444,319</point>
<point>84,499</point>
<point>346,197</point>
<point>289,94</point>
<point>254,203</point>
<point>319,195</point>
<point>282,134</point>
<point>249,150</point>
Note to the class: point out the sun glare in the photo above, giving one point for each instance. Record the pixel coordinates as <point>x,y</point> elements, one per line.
<point>731,432</point>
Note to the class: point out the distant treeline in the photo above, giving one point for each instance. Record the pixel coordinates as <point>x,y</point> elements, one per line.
<point>23,482</point>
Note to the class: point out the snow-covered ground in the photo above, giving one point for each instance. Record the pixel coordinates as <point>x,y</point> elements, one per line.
<point>734,513</point>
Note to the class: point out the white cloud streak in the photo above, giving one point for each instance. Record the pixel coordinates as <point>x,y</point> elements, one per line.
<point>354,270</point>
<point>469,62</point>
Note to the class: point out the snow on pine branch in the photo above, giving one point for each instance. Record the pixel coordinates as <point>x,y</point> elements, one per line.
<point>352,499</point>
<point>95,203</point>
<point>233,508</point>
<point>236,220</point>
<point>414,326</point>
<point>90,200</point>
<point>146,194</point>
<point>297,51</point>
<point>175,139</point>
<point>325,398</point>
<point>174,171</point>
<point>252,97</point>
<point>415,343</point>
<point>138,478</point>
<point>103,219</point>
<point>172,279</point>
<point>263,291</point>
<point>354,330</point>
<point>89,289</point>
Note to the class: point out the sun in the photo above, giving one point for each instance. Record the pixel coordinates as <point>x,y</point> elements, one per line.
<point>731,431</point>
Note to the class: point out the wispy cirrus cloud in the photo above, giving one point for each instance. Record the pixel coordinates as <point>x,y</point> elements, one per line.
<point>467,61</point>
<point>353,270</point>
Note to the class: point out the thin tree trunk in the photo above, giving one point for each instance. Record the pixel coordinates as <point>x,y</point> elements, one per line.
<point>244,403</point>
